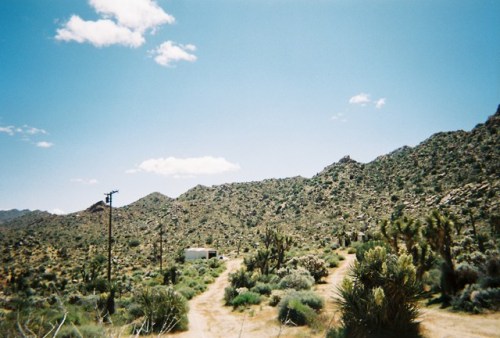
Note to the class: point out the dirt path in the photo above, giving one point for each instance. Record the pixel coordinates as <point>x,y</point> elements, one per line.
<point>437,323</point>
<point>209,318</point>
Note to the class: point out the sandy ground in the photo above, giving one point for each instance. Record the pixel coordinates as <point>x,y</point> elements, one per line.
<point>438,323</point>
<point>209,318</point>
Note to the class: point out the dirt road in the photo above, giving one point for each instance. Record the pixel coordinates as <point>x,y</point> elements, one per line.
<point>209,318</point>
<point>438,323</point>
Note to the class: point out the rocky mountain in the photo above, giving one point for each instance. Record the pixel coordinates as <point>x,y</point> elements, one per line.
<point>457,172</point>
<point>9,215</point>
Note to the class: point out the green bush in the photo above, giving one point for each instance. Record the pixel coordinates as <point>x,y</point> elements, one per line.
<point>381,298</point>
<point>165,310</point>
<point>309,298</point>
<point>474,299</point>
<point>246,298</point>
<point>134,243</point>
<point>332,261</point>
<point>229,294</point>
<point>315,265</point>
<point>90,331</point>
<point>337,332</point>
<point>364,247</point>
<point>187,292</point>
<point>135,310</point>
<point>276,297</point>
<point>262,288</point>
<point>296,308</point>
<point>296,280</point>
<point>241,279</point>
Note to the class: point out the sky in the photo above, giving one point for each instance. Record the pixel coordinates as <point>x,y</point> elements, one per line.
<point>145,96</point>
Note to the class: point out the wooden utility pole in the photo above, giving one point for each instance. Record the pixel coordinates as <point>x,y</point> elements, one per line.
<point>161,247</point>
<point>109,199</point>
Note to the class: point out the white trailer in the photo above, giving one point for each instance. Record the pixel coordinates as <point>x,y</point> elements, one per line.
<point>199,253</point>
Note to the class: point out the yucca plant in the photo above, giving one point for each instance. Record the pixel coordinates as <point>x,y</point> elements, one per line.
<point>164,310</point>
<point>380,297</point>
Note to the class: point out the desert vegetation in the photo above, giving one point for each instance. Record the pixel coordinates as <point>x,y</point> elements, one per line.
<point>431,212</point>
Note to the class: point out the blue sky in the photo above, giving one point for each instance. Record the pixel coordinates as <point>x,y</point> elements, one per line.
<point>144,96</point>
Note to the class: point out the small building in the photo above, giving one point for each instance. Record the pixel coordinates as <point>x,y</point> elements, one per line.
<point>199,253</point>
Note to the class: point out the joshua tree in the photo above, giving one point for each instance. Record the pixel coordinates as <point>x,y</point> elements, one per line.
<point>408,232</point>
<point>439,234</point>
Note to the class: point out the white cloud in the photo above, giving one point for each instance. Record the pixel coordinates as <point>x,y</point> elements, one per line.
<point>90,181</point>
<point>27,133</point>
<point>138,15</point>
<point>186,167</point>
<point>169,52</point>
<point>44,144</point>
<point>57,211</point>
<point>99,33</point>
<point>121,22</point>
<point>361,98</point>
<point>33,131</point>
<point>339,117</point>
<point>9,130</point>
<point>380,103</point>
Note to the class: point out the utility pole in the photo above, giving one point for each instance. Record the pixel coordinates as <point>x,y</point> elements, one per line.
<point>109,199</point>
<point>161,247</point>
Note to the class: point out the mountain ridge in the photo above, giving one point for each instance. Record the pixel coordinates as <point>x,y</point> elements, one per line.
<point>457,172</point>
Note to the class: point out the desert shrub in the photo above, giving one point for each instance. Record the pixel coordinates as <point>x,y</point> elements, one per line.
<point>262,288</point>
<point>381,298</point>
<point>165,310</point>
<point>269,279</point>
<point>275,297</point>
<point>135,310</point>
<point>72,331</point>
<point>336,332</point>
<point>99,284</point>
<point>474,299</point>
<point>214,263</point>
<point>364,247</point>
<point>315,265</point>
<point>309,298</point>
<point>207,279</point>
<point>186,291</point>
<point>466,274</point>
<point>297,280</point>
<point>492,277</point>
<point>432,279</point>
<point>68,331</point>
<point>246,298</point>
<point>296,313</point>
<point>351,250</point>
<point>332,261</point>
<point>89,330</point>
<point>229,294</point>
<point>171,275</point>
<point>241,279</point>
<point>134,243</point>
<point>299,308</point>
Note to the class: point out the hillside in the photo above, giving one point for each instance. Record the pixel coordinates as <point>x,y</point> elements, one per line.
<point>455,171</point>
<point>9,215</point>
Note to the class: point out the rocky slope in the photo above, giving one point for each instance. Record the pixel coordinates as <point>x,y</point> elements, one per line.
<point>456,171</point>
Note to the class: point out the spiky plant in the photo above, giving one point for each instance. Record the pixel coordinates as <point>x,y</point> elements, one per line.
<point>380,297</point>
